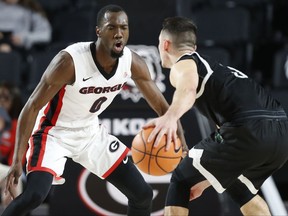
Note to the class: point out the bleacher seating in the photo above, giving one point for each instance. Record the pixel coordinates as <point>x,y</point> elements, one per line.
<point>11,67</point>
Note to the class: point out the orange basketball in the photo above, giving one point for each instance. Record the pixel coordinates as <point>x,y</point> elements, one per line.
<point>151,160</point>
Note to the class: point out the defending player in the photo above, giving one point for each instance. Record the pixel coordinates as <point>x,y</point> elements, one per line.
<point>62,116</point>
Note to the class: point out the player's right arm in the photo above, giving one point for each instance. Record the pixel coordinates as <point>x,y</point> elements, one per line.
<point>59,73</point>
<point>184,77</point>
<point>152,94</point>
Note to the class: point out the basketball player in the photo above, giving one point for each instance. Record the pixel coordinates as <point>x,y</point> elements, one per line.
<point>62,116</point>
<point>251,141</point>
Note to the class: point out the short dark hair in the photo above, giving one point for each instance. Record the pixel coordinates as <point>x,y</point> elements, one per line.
<point>182,29</point>
<point>107,8</point>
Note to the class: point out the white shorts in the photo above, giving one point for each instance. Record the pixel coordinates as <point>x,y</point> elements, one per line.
<point>92,147</point>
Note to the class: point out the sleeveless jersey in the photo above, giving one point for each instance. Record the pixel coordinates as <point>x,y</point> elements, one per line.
<point>78,105</point>
<point>223,93</point>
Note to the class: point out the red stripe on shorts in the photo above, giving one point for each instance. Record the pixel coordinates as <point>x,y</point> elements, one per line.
<point>116,163</point>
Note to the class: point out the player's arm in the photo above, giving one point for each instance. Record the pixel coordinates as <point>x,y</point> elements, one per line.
<point>152,94</point>
<point>58,73</point>
<point>142,78</point>
<point>184,77</point>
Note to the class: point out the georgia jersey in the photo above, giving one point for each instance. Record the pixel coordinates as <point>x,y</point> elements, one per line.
<point>79,104</point>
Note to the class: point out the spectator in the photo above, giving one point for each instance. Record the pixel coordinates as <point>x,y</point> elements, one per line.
<point>23,23</point>
<point>10,107</point>
<point>5,121</point>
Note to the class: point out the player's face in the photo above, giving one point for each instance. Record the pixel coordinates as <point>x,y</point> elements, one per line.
<point>114,33</point>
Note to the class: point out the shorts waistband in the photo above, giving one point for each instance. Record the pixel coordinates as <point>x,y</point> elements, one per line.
<point>263,114</point>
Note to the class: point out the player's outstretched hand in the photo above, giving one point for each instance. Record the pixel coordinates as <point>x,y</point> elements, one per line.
<point>12,179</point>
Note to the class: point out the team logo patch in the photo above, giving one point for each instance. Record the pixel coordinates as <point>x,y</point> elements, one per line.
<point>114,146</point>
<point>152,58</point>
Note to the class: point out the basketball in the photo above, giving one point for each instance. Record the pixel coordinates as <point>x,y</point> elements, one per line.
<point>151,160</point>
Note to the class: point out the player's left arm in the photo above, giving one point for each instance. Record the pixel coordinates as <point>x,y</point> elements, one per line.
<point>142,78</point>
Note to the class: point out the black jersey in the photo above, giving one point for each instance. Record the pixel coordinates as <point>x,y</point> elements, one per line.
<point>224,93</point>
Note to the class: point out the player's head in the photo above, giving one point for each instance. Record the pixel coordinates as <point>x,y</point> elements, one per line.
<point>177,34</point>
<point>112,29</point>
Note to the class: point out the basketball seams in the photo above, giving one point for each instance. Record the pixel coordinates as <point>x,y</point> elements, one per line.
<point>157,158</point>
<point>153,161</point>
<point>151,149</point>
<point>168,157</point>
<point>140,151</point>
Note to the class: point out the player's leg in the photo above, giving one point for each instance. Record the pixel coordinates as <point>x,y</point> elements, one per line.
<point>195,192</point>
<point>36,190</point>
<point>256,206</point>
<point>183,178</point>
<point>250,204</point>
<point>131,183</point>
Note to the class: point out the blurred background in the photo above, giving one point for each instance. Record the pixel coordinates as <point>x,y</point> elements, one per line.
<point>250,35</point>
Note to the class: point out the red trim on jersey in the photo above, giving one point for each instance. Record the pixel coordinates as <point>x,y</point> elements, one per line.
<point>57,111</point>
<point>31,153</point>
<point>45,169</point>
<point>59,106</point>
<point>45,132</point>
<point>43,147</point>
<point>115,165</point>
<point>43,117</point>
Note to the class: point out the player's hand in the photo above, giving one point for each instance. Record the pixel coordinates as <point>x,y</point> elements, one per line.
<point>163,126</point>
<point>12,179</point>
<point>184,152</point>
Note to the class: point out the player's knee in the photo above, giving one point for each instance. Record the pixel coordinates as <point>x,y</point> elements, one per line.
<point>178,178</point>
<point>178,192</point>
<point>144,198</point>
<point>240,193</point>
<point>175,177</point>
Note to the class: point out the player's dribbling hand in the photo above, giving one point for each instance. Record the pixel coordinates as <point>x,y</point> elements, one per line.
<point>163,125</point>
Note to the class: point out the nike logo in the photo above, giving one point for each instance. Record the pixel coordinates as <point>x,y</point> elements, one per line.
<point>125,160</point>
<point>177,150</point>
<point>85,79</point>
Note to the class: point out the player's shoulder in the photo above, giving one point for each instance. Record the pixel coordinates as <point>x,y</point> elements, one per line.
<point>201,59</point>
<point>127,51</point>
<point>78,47</point>
<point>188,55</point>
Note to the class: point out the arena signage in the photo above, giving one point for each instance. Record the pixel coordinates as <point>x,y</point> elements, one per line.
<point>124,126</point>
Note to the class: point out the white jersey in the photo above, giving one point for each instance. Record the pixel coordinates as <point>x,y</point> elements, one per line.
<point>67,127</point>
<point>79,105</point>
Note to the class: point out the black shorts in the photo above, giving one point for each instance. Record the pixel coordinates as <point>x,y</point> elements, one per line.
<point>250,151</point>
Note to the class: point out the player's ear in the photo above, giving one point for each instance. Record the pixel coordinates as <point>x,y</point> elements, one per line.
<point>167,45</point>
<point>97,31</point>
